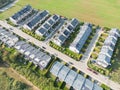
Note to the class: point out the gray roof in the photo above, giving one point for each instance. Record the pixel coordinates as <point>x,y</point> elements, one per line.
<point>56,68</point>
<point>4,32</point>
<point>110,39</point>
<point>105,55</point>
<point>46,58</point>
<point>115,31</point>
<point>29,50</point>
<point>70,77</point>
<point>74,22</point>
<point>1,30</point>
<point>20,43</point>
<point>88,85</point>
<point>97,87</point>
<point>107,51</point>
<point>104,58</point>
<point>63,73</point>
<point>33,53</point>
<point>78,83</point>
<point>62,38</point>
<point>81,38</point>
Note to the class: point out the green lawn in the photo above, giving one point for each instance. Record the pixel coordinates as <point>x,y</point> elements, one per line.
<point>102,12</point>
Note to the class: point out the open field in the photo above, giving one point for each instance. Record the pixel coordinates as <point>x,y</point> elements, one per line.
<point>13,74</point>
<point>99,12</point>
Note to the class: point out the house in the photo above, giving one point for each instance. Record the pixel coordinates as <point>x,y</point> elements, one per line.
<point>41,16</point>
<point>18,44</point>
<point>88,85</point>
<point>56,68</point>
<point>24,48</point>
<point>13,38</point>
<point>65,31</point>
<point>74,22</point>
<point>107,51</point>
<point>115,32</point>
<point>70,77</point>
<point>21,14</point>
<point>47,25</point>
<point>97,87</point>
<point>8,38</point>
<point>8,35</point>
<point>78,82</point>
<point>38,56</point>
<point>3,33</point>
<point>59,40</point>
<point>29,50</point>
<point>44,61</point>
<point>34,53</point>
<point>63,73</point>
<point>81,38</point>
<point>104,58</point>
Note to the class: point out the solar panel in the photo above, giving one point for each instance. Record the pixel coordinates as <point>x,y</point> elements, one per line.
<point>66,33</point>
<point>74,22</point>
<point>37,19</point>
<point>55,17</point>
<point>51,22</point>
<point>62,38</point>
<point>22,12</point>
<point>46,26</point>
<point>70,28</point>
<point>42,30</point>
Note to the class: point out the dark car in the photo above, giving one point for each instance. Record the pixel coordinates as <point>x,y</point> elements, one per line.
<point>43,47</point>
<point>89,69</point>
<point>95,72</point>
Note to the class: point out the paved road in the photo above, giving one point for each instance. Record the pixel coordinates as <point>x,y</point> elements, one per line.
<point>79,65</point>
<point>91,46</point>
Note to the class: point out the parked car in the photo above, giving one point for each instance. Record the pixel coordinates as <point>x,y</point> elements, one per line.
<point>89,69</point>
<point>70,63</point>
<point>43,47</point>
<point>95,72</point>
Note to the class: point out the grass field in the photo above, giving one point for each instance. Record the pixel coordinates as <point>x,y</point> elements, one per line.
<point>99,12</point>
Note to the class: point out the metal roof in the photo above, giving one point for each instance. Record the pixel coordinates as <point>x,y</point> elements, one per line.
<point>56,68</point>
<point>70,77</point>
<point>78,83</point>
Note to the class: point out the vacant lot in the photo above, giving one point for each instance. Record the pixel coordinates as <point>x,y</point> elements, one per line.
<point>99,12</point>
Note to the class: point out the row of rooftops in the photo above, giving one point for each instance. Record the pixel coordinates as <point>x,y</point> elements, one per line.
<point>81,38</point>
<point>106,52</point>
<point>38,57</point>
<point>37,19</point>
<point>7,37</point>
<point>34,54</point>
<point>65,31</point>
<point>22,12</point>
<point>41,22</point>
<point>47,26</point>
<point>72,78</point>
